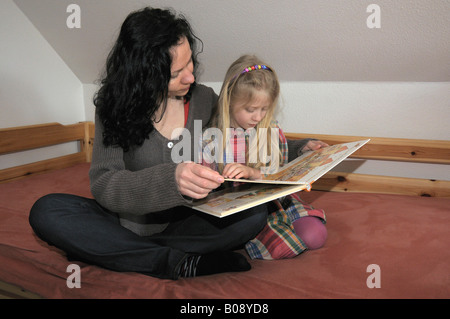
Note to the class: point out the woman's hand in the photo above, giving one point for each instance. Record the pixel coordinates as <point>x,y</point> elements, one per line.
<point>313,145</point>
<point>236,170</point>
<point>195,180</point>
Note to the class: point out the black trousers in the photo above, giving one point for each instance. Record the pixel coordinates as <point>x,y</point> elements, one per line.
<point>89,233</point>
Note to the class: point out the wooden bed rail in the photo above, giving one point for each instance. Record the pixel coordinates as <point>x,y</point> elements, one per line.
<point>22,138</point>
<point>389,149</point>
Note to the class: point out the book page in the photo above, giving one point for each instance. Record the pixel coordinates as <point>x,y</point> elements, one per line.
<point>309,167</point>
<point>238,198</point>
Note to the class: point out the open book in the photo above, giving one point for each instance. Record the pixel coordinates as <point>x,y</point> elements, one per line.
<point>293,177</point>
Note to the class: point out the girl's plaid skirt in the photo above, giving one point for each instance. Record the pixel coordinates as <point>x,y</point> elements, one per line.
<point>278,239</point>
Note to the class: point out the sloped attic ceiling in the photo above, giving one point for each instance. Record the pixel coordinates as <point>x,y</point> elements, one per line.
<point>305,40</point>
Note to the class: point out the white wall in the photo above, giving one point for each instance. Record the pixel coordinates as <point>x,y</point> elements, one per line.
<point>379,109</point>
<point>89,108</point>
<point>36,86</point>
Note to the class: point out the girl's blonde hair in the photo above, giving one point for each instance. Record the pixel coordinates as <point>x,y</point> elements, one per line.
<point>241,84</point>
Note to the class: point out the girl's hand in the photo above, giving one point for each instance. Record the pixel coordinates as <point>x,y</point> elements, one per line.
<point>236,170</point>
<point>195,180</point>
<point>313,145</point>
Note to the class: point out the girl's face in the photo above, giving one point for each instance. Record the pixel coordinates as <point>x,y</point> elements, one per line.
<point>248,115</point>
<point>181,70</point>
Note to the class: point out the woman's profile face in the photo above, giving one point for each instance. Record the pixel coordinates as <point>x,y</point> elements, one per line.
<point>181,70</point>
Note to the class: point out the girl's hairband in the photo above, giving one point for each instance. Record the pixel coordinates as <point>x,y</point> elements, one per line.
<point>256,67</point>
<point>252,68</point>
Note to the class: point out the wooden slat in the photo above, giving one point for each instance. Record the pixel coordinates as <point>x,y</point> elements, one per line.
<point>392,149</point>
<point>87,143</point>
<point>362,183</point>
<point>91,126</point>
<point>21,171</point>
<point>34,136</point>
<point>8,291</point>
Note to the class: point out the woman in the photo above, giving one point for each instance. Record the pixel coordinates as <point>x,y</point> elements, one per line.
<point>138,221</point>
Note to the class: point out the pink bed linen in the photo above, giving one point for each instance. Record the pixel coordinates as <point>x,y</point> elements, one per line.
<point>407,237</point>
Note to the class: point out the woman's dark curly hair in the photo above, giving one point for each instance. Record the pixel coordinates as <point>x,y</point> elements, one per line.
<point>137,75</point>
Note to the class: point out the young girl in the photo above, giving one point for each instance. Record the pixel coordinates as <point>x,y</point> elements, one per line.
<point>246,106</point>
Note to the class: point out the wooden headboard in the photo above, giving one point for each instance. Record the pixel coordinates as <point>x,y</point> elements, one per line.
<point>23,138</point>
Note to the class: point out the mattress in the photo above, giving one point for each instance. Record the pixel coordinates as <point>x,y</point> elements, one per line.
<point>378,246</point>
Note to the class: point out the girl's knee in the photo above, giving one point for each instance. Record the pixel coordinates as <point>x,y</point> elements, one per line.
<point>312,231</point>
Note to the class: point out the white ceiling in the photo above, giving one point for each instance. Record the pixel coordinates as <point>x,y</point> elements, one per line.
<point>305,40</point>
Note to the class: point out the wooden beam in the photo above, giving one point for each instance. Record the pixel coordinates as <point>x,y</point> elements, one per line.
<point>8,291</point>
<point>24,138</point>
<point>17,172</point>
<point>362,183</point>
<point>87,143</point>
<point>390,149</point>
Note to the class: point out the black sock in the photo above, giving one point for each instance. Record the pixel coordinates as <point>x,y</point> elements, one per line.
<point>213,263</point>
<point>189,267</point>
<point>218,262</point>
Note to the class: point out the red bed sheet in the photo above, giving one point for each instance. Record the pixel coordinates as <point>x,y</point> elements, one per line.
<point>406,237</point>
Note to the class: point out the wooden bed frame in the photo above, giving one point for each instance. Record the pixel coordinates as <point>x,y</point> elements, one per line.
<point>24,138</point>
<point>17,139</point>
